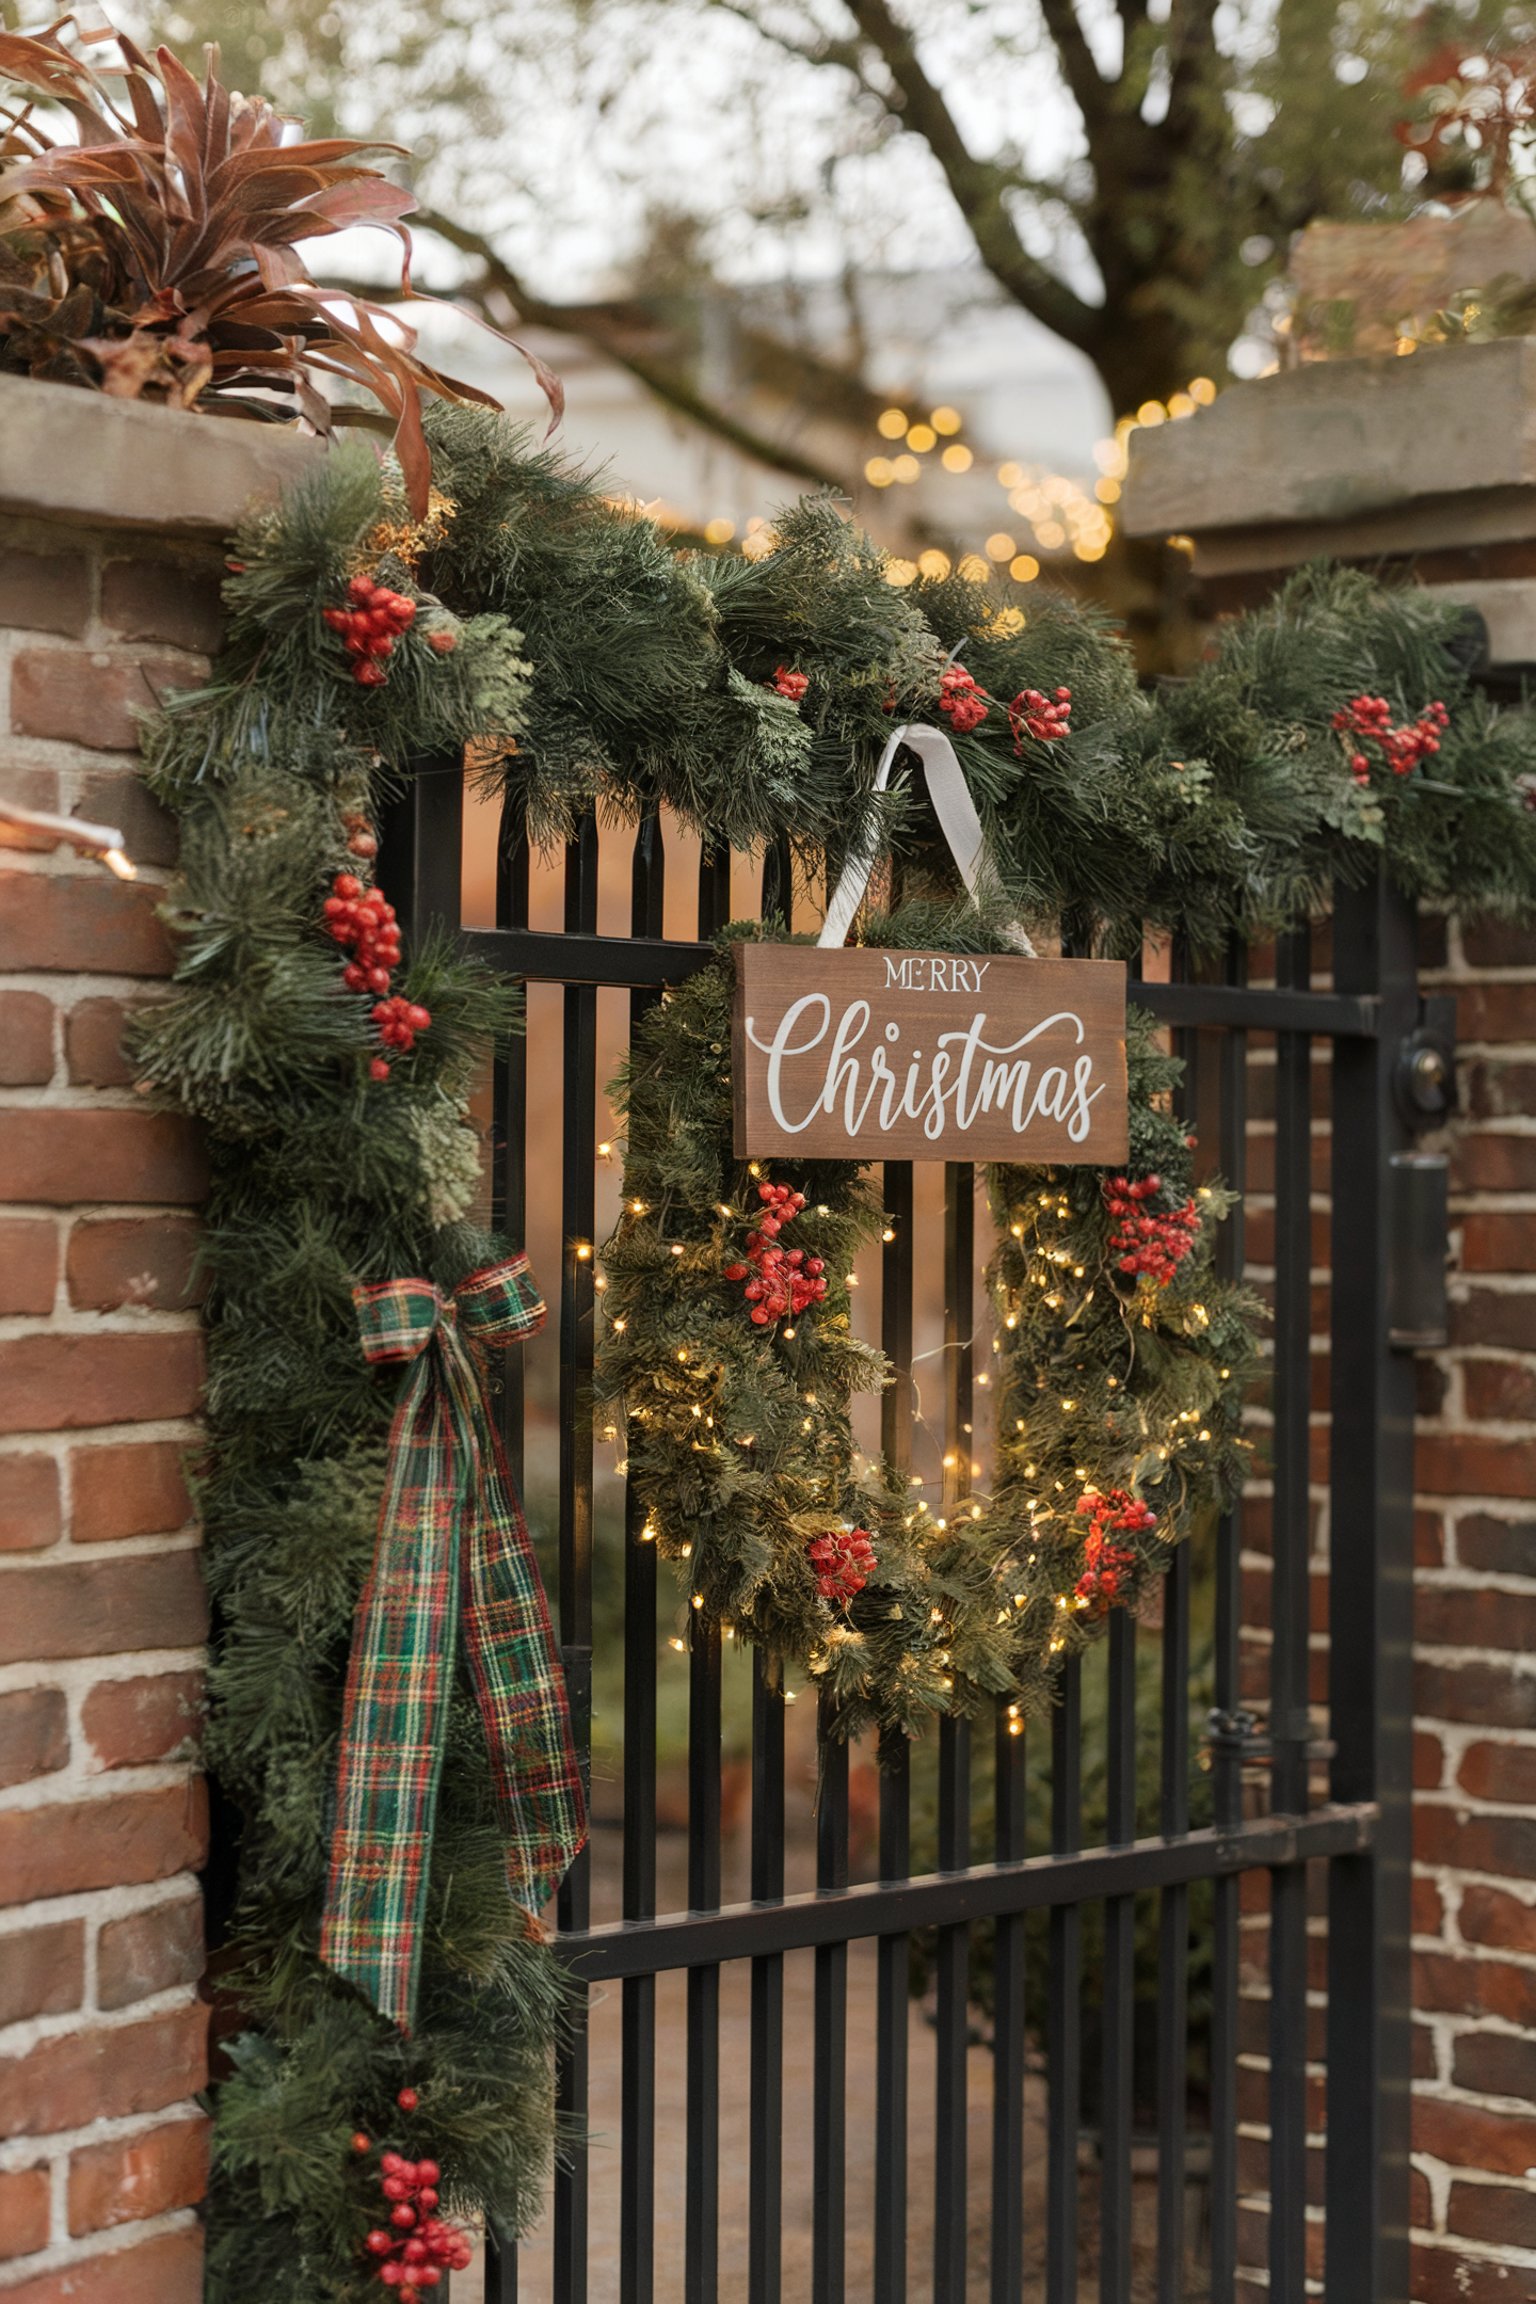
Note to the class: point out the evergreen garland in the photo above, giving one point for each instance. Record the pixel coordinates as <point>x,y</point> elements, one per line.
<point>753,698</point>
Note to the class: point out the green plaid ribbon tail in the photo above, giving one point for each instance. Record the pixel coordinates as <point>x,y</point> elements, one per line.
<point>453,1560</point>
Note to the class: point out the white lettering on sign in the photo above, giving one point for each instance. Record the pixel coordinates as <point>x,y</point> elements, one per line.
<point>933,972</point>
<point>871,1054</point>
<point>947,1089</point>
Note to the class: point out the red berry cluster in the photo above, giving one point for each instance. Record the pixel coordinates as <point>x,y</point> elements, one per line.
<point>1046,718</point>
<point>370,627</point>
<point>960,698</point>
<point>843,1562</point>
<point>780,1284</point>
<point>1154,1246</point>
<point>1116,1513</point>
<point>415,2248</point>
<point>792,685</point>
<point>1368,719</point>
<point>359,918</point>
<point>399,1021</point>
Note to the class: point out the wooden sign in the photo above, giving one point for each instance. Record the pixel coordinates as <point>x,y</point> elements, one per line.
<point>865,1055</point>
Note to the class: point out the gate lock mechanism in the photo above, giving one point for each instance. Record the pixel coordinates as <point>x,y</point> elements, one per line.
<point>1424,1086</point>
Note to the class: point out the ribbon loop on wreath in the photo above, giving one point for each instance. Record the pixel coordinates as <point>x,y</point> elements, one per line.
<point>957,820</point>
<point>453,1560</point>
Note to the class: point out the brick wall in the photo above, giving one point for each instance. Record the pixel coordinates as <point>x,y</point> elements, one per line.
<point>1475,1702</point>
<point>102,1615</point>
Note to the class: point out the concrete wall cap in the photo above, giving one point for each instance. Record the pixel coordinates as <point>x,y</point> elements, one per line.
<point>68,454</point>
<point>1339,439</point>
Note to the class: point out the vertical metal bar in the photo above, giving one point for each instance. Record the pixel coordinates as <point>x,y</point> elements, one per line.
<point>952,1952</point>
<point>891,1992</point>
<point>637,2113</point>
<point>1064,2012</point>
<point>951,1963</point>
<point>1226,1762</point>
<point>891,1982</point>
<point>701,2269</point>
<point>701,2238</point>
<point>509,1126</point>
<point>1289,1717</point>
<point>1371,1625</point>
<point>1173,1938</point>
<point>778,892</point>
<point>1119,1976</point>
<point>577,1216</point>
<point>509,1106</point>
<point>829,2115</point>
<point>766,2139</point>
<point>1200,1078</point>
<point>1007,2267</point>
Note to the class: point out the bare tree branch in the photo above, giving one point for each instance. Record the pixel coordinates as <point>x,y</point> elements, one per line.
<point>603,326</point>
<point>978,188</point>
<point>1086,84</point>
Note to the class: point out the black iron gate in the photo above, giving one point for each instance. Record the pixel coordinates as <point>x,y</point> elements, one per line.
<point>1316,1808</point>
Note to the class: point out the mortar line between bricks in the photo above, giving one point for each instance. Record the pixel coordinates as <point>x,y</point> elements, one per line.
<point>60,2255</point>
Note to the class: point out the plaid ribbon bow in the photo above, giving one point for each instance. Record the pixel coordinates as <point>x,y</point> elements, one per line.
<point>452,1552</point>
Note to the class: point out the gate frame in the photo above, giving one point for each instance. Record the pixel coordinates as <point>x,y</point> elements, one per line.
<point>1371,1017</point>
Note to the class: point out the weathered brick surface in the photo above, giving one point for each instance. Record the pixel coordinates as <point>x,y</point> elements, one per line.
<point>26,1039</point>
<point>42,1970</point>
<point>128,1488</point>
<point>124,2182</point>
<point>62,1383</point>
<point>29,1264</point>
<point>34,1733</point>
<point>59,920</point>
<point>91,697</point>
<point>165,2270</point>
<point>164,600</point>
<point>93,1043</point>
<point>45,591</point>
<point>103,1606</point>
<point>105,1843</point>
<point>104,2071</point>
<point>75,1156</point>
<point>113,1261</point>
<point>132,1723</point>
<point>25,2201</point>
<point>29,1503</point>
<point>149,1952</point>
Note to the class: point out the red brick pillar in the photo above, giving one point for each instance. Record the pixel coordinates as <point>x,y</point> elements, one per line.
<point>102,1613</point>
<point>1475,1624</point>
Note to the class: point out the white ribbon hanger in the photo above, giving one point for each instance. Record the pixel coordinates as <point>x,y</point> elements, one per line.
<point>958,821</point>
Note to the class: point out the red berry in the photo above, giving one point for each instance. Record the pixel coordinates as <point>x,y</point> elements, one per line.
<point>363,844</point>
<point>362,2143</point>
<point>407,2099</point>
<point>428,2196</point>
<point>370,675</point>
<point>442,643</point>
<point>347,884</point>
<point>404,2216</point>
<point>378,1069</point>
<point>379,2243</point>
<point>418,1018</point>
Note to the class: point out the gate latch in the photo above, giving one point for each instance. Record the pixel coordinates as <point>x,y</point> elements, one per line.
<point>1424,1084</point>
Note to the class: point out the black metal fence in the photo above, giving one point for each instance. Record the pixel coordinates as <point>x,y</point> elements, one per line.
<point>1329,2077</point>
